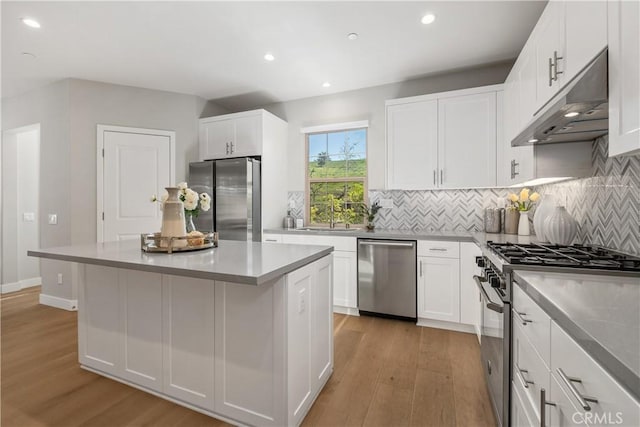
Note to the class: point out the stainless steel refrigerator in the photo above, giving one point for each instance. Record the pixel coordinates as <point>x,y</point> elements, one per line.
<point>234,186</point>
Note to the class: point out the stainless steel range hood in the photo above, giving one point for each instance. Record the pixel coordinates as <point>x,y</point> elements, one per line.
<point>579,112</point>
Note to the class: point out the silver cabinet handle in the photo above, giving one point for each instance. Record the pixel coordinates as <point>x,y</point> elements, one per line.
<point>525,382</point>
<point>270,240</point>
<point>522,319</point>
<point>582,400</point>
<point>434,177</point>
<point>514,173</point>
<point>543,406</point>
<point>420,268</point>
<point>441,176</point>
<point>384,243</point>
<point>227,148</point>
<point>556,58</point>
<point>231,146</point>
<point>438,249</point>
<point>550,71</point>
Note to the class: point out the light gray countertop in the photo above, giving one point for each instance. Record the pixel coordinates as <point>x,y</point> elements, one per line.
<point>602,313</point>
<point>240,262</point>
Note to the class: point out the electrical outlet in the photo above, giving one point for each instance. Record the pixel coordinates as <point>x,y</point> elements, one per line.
<point>59,278</point>
<point>302,300</point>
<point>53,219</point>
<point>292,204</point>
<point>386,203</point>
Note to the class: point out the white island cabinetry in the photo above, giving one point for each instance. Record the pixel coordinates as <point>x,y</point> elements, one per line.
<point>242,332</point>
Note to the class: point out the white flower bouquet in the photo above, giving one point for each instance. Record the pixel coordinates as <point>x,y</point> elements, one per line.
<point>193,202</point>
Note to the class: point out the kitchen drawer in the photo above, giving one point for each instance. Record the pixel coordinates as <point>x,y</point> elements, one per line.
<point>439,248</point>
<point>521,410</point>
<point>535,323</point>
<point>339,243</point>
<point>530,374</point>
<point>567,356</point>
<point>271,238</point>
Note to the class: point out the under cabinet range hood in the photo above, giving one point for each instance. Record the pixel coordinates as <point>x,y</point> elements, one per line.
<point>579,112</point>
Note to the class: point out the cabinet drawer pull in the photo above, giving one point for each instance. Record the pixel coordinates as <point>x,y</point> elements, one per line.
<point>441,176</point>
<point>231,147</point>
<point>420,268</point>
<point>438,249</point>
<point>270,240</point>
<point>582,400</point>
<point>556,58</point>
<point>522,319</point>
<point>543,406</point>
<point>434,177</point>
<point>525,382</point>
<point>550,71</point>
<point>227,152</point>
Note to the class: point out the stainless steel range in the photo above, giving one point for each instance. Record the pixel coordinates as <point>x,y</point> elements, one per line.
<point>498,262</point>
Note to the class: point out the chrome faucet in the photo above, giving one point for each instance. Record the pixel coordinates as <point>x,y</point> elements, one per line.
<point>332,222</point>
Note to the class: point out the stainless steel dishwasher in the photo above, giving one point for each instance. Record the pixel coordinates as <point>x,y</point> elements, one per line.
<point>387,278</point>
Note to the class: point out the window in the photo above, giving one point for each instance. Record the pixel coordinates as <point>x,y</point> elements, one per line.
<point>336,176</point>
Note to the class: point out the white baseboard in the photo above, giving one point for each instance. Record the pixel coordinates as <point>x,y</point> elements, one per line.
<point>6,288</point>
<point>57,302</point>
<point>346,310</point>
<point>451,326</point>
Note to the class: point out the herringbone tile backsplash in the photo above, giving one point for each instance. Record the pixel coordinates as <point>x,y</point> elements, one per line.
<point>606,205</point>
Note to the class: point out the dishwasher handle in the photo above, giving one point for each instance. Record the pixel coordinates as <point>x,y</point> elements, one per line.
<point>385,243</point>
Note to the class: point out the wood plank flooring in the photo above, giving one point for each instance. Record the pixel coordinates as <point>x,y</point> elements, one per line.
<point>386,373</point>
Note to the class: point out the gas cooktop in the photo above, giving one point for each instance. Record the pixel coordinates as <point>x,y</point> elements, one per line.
<point>573,256</point>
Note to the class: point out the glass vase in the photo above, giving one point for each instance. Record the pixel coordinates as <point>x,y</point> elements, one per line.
<point>188,219</point>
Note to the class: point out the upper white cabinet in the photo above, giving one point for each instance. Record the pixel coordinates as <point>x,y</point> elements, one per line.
<point>466,139</point>
<point>438,140</point>
<point>585,32</point>
<point>412,145</point>
<point>549,52</point>
<point>233,135</point>
<point>252,133</point>
<point>624,84</point>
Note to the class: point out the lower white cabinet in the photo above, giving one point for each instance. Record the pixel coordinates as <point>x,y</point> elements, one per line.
<point>470,297</point>
<point>188,325</point>
<point>345,268</point>
<point>439,288</point>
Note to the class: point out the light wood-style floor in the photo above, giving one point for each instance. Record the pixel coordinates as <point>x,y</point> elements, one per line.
<point>387,373</point>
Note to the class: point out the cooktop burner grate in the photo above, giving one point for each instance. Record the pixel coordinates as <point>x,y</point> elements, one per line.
<point>578,256</point>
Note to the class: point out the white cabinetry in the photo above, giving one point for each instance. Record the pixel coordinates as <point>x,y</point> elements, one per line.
<point>545,357</point>
<point>624,84</point>
<point>467,138</point>
<point>232,135</point>
<point>255,355</point>
<point>345,265</point>
<point>412,145</point>
<point>439,281</point>
<point>436,140</point>
<point>252,133</point>
<point>549,52</point>
<point>188,324</point>
<point>470,302</point>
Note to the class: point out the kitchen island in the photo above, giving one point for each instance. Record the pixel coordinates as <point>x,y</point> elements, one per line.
<point>242,332</point>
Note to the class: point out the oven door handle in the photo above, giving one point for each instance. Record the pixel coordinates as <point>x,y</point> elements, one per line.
<point>490,304</point>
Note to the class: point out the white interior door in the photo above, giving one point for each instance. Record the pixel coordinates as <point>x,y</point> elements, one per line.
<point>134,165</point>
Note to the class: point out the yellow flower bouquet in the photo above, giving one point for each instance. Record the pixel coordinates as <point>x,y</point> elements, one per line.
<point>524,201</point>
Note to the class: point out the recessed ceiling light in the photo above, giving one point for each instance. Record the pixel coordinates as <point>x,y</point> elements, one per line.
<point>352,36</point>
<point>28,55</point>
<point>428,18</point>
<point>572,114</point>
<point>326,84</point>
<point>269,57</point>
<point>532,140</point>
<point>29,22</point>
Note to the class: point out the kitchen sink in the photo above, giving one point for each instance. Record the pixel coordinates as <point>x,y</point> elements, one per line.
<point>332,230</point>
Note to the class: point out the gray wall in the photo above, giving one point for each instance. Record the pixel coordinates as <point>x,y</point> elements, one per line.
<point>48,106</point>
<point>69,112</point>
<point>368,104</point>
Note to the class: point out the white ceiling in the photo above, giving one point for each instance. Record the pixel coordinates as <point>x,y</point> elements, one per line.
<point>215,49</point>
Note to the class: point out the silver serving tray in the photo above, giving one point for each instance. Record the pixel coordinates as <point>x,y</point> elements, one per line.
<point>154,242</point>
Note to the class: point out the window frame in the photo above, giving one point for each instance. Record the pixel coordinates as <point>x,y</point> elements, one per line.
<point>308,181</point>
